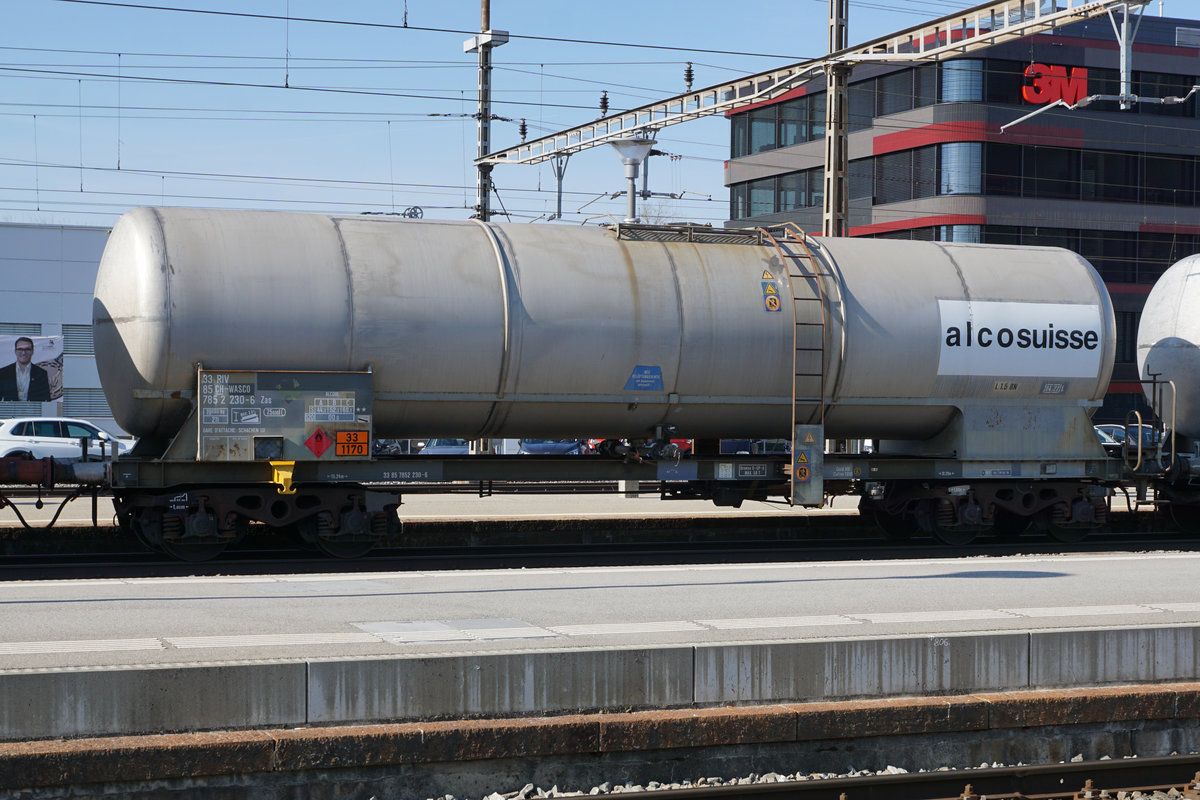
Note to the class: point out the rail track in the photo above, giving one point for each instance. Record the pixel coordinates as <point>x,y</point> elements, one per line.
<point>1090,780</point>
<point>109,553</point>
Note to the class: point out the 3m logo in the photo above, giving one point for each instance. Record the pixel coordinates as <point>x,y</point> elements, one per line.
<point>1050,83</point>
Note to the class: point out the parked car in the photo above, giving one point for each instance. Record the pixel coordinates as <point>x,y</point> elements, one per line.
<point>1148,434</point>
<point>446,447</point>
<point>555,447</point>
<point>1112,447</point>
<point>55,437</point>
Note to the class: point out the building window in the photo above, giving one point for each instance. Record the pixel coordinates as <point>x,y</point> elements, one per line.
<point>1157,251</point>
<point>816,116</point>
<point>925,85</point>
<point>971,234</point>
<point>739,201</point>
<point>1169,180</point>
<point>1109,176</point>
<point>962,81</point>
<point>793,122</point>
<point>1002,169</point>
<point>793,191</point>
<point>894,93</point>
<point>20,329</point>
<point>861,99</point>
<point>762,197</point>
<point>1156,85</point>
<point>894,177</point>
<point>860,179</point>
<point>1112,253</point>
<point>961,168</point>
<point>1003,81</point>
<point>1127,325</point>
<point>85,403</point>
<point>1050,172</point>
<point>77,340</point>
<point>925,172</point>
<point>739,128</point>
<point>762,129</point>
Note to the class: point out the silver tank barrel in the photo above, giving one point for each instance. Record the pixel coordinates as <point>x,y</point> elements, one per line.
<point>523,330</point>
<point>1168,344</point>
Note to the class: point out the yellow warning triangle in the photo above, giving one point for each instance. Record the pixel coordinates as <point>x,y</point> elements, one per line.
<point>802,458</point>
<point>770,289</point>
<point>808,438</point>
<point>767,276</point>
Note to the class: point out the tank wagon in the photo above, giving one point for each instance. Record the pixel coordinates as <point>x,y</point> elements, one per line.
<point>258,355</point>
<point>1168,352</point>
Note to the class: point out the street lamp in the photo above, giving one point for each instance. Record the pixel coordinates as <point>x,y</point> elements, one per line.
<point>632,152</point>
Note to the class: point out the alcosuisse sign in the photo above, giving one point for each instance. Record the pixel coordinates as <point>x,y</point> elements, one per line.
<point>1055,82</point>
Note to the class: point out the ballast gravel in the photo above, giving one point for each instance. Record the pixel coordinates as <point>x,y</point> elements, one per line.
<point>530,792</point>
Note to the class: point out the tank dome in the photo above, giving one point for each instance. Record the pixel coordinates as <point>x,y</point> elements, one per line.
<point>1168,342</point>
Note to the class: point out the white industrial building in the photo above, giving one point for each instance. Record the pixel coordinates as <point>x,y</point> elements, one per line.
<point>48,273</point>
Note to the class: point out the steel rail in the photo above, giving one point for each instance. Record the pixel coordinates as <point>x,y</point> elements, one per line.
<point>1084,780</point>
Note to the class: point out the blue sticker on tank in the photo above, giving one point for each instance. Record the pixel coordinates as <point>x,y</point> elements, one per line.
<point>645,379</point>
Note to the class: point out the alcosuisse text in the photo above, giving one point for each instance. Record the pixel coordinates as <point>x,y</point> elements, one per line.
<point>1047,338</point>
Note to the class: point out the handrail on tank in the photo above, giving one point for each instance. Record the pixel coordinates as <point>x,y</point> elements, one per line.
<point>1157,405</point>
<point>1161,438</point>
<point>1135,415</point>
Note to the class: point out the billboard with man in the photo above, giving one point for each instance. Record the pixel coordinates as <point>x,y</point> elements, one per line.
<point>33,373</point>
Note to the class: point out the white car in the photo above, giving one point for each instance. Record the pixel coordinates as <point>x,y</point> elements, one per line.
<point>55,437</point>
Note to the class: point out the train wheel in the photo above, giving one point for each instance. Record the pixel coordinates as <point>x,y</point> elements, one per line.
<point>1066,535</point>
<point>142,530</point>
<point>318,531</point>
<point>955,537</point>
<point>193,537</point>
<point>944,525</point>
<point>193,552</point>
<point>1187,517</point>
<point>1055,521</point>
<point>896,527</point>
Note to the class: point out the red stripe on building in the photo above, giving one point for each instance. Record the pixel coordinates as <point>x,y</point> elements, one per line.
<point>1110,44</point>
<point>976,131</point>
<point>792,95</point>
<point>1129,288</point>
<point>1167,227</point>
<point>918,222</point>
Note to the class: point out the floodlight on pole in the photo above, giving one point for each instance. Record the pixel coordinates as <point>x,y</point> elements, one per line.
<point>633,152</point>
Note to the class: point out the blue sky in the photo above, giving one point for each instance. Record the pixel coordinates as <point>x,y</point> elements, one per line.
<point>105,108</point>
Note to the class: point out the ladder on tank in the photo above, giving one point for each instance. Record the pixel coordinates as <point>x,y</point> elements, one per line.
<point>809,343</point>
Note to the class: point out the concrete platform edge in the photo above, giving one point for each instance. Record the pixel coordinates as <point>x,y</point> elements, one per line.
<point>165,757</point>
<point>73,703</point>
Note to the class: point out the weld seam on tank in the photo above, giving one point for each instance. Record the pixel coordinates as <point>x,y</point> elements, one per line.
<point>351,358</point>
<point>823,261</point>
<point>161,229</point>
<point>504,267</point>
<point>679,311</point>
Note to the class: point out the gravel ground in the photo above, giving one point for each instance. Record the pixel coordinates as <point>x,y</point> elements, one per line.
<point>529,791</point>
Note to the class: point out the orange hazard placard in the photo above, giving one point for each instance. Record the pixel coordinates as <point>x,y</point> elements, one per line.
<point>353,443</point>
